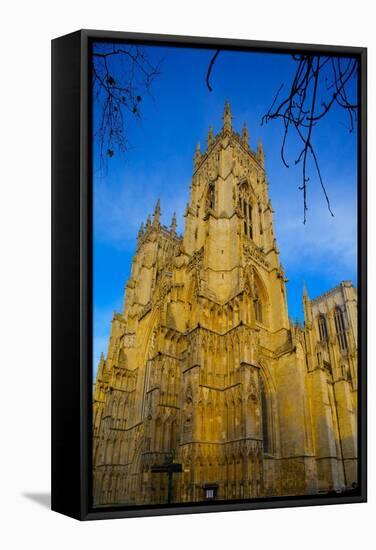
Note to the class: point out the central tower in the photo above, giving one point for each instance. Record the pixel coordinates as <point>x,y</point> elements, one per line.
<point>236,305</point>
<point>229,222</point>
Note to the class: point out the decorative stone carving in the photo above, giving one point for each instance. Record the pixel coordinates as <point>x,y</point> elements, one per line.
<point>129,340</point>
<point>251,252</point>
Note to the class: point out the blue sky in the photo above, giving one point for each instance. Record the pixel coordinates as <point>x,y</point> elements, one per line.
<point>159,164</point>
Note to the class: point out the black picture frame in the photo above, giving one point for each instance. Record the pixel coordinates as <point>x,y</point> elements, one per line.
<point>72,276</point>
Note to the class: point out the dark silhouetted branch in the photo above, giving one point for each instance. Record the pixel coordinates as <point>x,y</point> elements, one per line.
<point>301,110</point>
<point>210,68</point>
<point>121,77</point>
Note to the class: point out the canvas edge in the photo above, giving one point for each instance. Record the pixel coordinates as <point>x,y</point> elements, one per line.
<point>82,422</point>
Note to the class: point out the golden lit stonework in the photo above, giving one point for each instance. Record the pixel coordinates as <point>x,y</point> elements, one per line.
<point>205,370</point>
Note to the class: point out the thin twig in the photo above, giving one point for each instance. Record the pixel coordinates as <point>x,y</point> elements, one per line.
<point>301,109</point>
<point>120,79</point>
<point>210,70</point>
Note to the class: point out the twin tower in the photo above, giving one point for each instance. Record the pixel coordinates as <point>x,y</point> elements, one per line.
<point>204,371</point>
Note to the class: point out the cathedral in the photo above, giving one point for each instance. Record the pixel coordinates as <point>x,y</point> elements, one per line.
<point>208,390</point>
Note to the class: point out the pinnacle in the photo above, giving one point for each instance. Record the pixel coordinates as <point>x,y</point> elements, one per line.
<point>210,138</point>
<point>305,293</point>
<point>245,134</point>
<point>173,222</point>
<point>227,116</point>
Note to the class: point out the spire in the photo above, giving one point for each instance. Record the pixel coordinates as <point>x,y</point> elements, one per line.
<point>148,222</point>
<point>197,156</point>
<point>100,365</point>
<point>173,224</point>
<point>140,234</point>
<point>306,305</point>
<point>305,293</point>
<point>227,116</point>
<point>210,138</point>
<point>157,213</point>
<point>245,135</point>
<point>260,152</point>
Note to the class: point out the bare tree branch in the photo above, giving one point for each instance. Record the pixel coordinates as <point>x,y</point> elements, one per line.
<point>300,110</point>
<point>210,70</point>
<point>121,77</point>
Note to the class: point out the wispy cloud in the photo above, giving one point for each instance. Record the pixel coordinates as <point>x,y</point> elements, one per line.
<point>120,208</point>
<point>326,244</point>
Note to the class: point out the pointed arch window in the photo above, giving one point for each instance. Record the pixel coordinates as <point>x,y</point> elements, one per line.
<point>246,209</point>
<point>323,329</point>
<point>264,416</point>
<point>211,196</point>
<point>340,328</point>
<point>258,307</point>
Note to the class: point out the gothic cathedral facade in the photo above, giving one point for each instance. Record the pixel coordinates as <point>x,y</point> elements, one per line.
<point>204,370</point>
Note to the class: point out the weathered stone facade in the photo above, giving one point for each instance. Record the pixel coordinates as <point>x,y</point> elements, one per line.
<point>203,366</point>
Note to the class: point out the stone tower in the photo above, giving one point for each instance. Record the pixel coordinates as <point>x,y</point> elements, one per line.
<point>204,368</point>
<point>331,338</point>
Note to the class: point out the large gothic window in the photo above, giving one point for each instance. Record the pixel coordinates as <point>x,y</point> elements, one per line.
<point>246,209</point>
<point>211,196</point>
<point>340,328</point>
<point>323,330</point>
<point>258,307</point>
<point>264,413</point>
